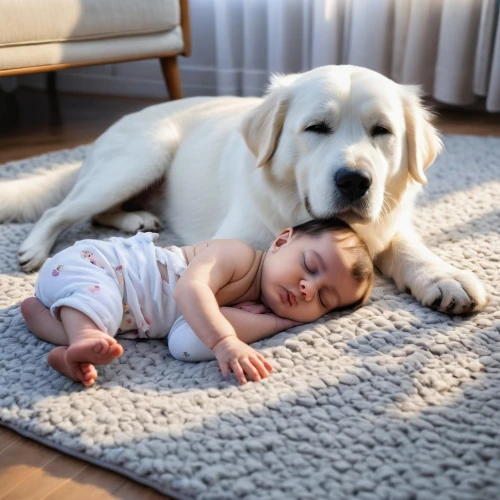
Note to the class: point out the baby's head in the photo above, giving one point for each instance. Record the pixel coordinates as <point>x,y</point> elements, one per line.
<point>314,268</point>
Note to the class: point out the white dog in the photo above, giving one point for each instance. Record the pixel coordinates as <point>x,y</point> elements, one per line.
<point>336,141</point>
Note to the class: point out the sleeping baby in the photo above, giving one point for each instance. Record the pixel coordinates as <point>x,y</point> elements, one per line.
<point>210,300</point>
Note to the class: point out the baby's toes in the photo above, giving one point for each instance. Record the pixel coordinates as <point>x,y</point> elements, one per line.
<point>115,350</point>
<point>87,374</point>
<point>88,369</point>
<point>109,348</point>
<point>102,346</point>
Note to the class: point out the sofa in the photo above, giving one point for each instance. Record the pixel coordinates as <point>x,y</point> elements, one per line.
<point>50,35</point>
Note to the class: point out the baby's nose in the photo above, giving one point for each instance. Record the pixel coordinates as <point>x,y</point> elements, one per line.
<point>306,290</point>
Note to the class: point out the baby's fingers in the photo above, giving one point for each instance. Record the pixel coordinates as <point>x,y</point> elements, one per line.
<point>238,371</point>
<point>248,365</point>
<point>224,368</point>
<point>260,366</point>
<point>269,366</point>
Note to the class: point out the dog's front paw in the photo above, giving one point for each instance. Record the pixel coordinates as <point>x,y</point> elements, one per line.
<point>32,258</point>
<point>129,222</point>
<point>451,292</point>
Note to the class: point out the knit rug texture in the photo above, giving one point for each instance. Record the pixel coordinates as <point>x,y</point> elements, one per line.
<point>392,401</point>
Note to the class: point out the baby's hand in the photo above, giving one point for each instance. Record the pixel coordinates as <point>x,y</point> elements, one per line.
<point>253,307</point>
<point>233,354</point>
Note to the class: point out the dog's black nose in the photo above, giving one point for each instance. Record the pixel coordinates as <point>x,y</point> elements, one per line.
<point>352,182</point>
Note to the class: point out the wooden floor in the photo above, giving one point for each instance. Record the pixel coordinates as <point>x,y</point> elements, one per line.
<point>33,123</point>
<point>31,471</point>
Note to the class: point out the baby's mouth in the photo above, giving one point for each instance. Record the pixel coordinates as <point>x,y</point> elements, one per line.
<point>288,297</point>
<point>292,299</point>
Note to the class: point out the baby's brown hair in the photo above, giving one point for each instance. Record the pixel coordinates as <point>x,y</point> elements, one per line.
<point>362,268</point>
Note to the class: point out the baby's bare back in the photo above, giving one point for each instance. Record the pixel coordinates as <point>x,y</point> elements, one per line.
<point>243,285</point>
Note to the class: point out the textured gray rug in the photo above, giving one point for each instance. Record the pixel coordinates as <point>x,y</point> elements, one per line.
<point>394,401</point>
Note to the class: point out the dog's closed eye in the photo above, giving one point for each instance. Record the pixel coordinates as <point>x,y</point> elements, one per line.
<point>320,128</point>
<point>379,130</point>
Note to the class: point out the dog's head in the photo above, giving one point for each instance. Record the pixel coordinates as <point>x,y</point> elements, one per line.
<point>350,140</point>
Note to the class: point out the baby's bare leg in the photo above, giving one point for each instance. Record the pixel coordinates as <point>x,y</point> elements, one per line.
<point>42,323</point>
<point>88,346</point>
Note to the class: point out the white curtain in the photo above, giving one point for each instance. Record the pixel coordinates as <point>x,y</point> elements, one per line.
<point>450,47</point>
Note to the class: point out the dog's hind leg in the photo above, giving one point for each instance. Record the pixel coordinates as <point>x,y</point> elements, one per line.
<point>87,199</point>
<point>123,163</point>
<point>80,204</point>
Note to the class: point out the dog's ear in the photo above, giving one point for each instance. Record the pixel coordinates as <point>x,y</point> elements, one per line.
<point>422,140</point>
<point>261,127</point>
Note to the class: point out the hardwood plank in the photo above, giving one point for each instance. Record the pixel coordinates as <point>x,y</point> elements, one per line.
<point>468,120</point>
<point>91,483</point>
<point>33,122</point>
<point>7,439</point>
<point>47,479</point>
<point>20,461</point>
<point>36,483</point>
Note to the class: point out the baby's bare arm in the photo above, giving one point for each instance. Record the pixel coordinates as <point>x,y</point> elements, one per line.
<point>221,263</point>
<point>195,293</point>
<point>251,327</point>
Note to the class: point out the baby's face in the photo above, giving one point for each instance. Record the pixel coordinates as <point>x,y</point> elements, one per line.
<point>304,277</point>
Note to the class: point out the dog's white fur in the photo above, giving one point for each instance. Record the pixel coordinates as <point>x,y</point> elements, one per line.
<point>247,168</point>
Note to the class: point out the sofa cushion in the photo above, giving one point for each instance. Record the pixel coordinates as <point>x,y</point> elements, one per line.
<point>29,22</point>
<point>91,51</point>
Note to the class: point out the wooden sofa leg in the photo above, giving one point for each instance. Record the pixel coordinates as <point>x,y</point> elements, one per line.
<point>172,76</point>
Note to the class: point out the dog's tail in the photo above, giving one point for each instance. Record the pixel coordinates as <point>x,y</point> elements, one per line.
<point>25,199</point>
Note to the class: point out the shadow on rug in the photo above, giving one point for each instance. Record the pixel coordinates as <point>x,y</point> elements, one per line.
<point>390,401</point>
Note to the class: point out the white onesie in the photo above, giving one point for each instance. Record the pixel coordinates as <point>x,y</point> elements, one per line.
<point>118,285</point>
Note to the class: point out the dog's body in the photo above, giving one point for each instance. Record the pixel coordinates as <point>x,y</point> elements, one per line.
<point>336,141</point>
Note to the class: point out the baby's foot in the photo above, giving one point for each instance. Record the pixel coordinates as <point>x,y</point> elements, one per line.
<point>77,360</point>
<point>79,372</point>
<point>95,350</point>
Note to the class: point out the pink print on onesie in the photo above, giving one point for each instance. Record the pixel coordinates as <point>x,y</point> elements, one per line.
<point>119,274</point>
<point>90,257</point>
<point>128,321</point>
<point>56,271</point>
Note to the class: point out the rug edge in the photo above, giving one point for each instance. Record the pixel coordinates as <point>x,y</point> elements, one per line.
<point>94,461</point>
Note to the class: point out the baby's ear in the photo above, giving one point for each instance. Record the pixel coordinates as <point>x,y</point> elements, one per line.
<point>281,239</point>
